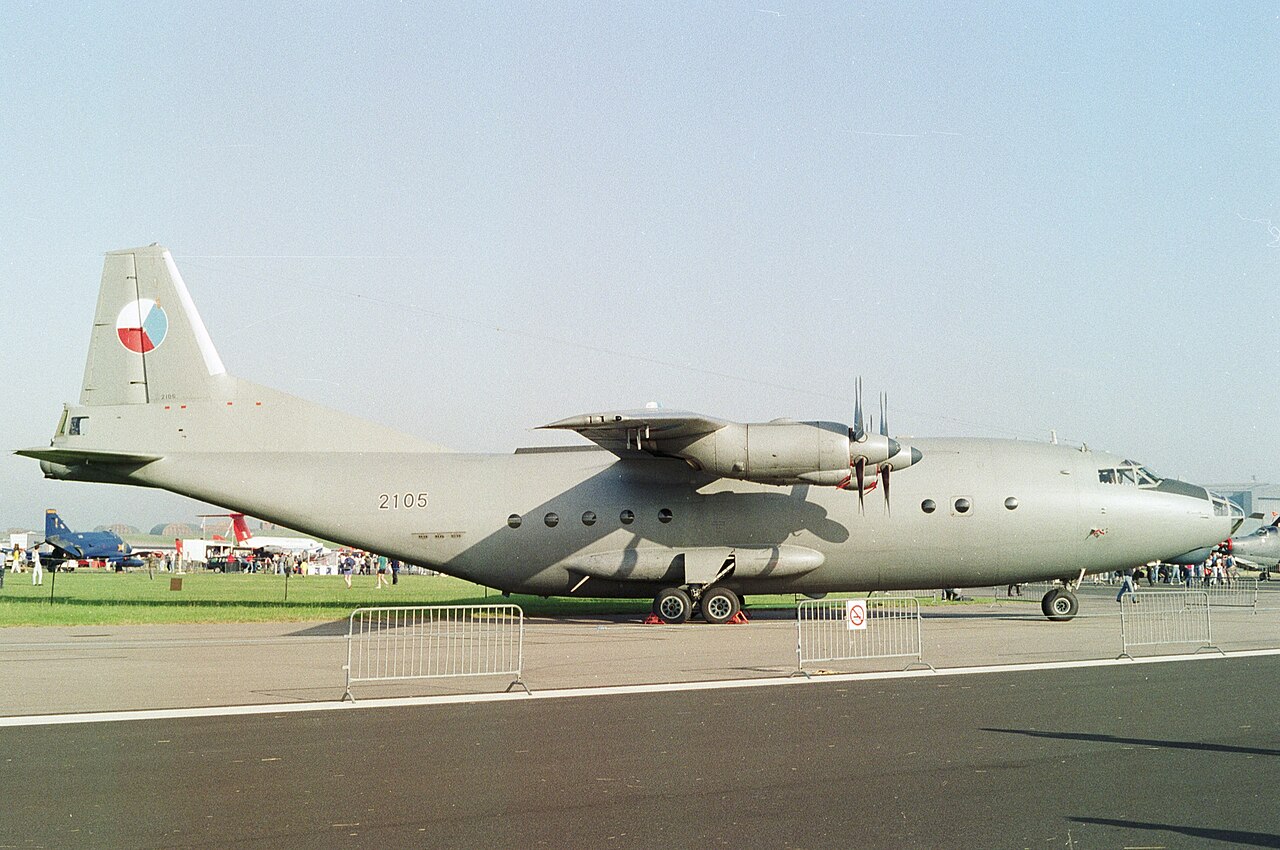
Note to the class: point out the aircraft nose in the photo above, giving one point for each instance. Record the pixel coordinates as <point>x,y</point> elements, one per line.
<point>1225,515</point>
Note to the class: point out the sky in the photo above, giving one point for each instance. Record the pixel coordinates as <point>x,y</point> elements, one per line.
<point>468,220</point>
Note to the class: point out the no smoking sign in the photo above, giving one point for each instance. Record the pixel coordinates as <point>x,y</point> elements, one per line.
<point>855,614</point>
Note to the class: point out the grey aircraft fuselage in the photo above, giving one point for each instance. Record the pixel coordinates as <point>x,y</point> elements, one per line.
<point>452,512</point>
<point>159,410</point>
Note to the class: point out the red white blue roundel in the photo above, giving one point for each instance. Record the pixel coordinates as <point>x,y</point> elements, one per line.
<point>142,326</point>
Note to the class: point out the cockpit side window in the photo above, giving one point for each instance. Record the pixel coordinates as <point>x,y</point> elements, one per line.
<point>1131,473</point>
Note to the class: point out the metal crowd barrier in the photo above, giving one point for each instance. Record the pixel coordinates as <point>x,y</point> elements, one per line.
<point>1233,593</point>
<point>885,628</point>
<point>1165,617</point>
<point>434,641</point>
<point>1031,590</point>
<point>1226,593</point>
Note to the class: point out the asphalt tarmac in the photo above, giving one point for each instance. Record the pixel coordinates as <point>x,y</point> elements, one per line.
<point>1175,754</point>
<point>1178,754</point>
<point>103,668</point>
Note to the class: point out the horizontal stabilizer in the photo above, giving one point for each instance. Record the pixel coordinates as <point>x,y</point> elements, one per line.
<point>75,457</point>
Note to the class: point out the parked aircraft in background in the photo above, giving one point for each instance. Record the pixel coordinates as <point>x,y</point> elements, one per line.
<point>246,539</point>
<point>1261,549</point>
<point>692,511</point>
<point>68,545</point>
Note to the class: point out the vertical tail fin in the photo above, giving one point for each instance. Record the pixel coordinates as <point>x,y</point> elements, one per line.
<point>240,527</point>
<point>53,524</point>
<point>149,342</point>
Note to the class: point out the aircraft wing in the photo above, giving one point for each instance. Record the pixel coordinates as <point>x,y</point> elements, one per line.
<point>68,547</point>
<point>620,431</point>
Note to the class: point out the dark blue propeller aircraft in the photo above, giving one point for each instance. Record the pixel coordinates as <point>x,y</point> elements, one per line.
<point>71,545</point>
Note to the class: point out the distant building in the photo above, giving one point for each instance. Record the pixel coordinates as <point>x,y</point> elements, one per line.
<point>119,528</point>
<point>176,529</point>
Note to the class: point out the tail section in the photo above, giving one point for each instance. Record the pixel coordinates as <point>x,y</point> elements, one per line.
<point>149,342</point>
<point>53,524</point>
<point>241,528</point>
<point>155,386</point>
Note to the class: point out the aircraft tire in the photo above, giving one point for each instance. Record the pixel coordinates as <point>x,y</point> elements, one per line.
<point>1060,605</point>
<point>719,605</point>
<point>673,606</point>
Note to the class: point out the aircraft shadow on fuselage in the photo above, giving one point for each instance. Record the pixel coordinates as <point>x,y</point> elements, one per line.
<point>750,519</point>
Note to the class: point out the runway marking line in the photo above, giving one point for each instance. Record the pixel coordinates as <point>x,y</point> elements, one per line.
<point>579,693</point>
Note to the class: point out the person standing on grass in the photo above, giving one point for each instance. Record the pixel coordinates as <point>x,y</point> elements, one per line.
<point>37,568</point>
<point>348,564</point>
<point>382,573</point>
<point>395,572</point>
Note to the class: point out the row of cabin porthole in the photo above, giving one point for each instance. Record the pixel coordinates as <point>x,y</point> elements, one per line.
<point>962,505</point>
<point>589,518</point>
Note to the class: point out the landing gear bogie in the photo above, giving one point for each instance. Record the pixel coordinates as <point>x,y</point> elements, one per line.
<point>715,605</point>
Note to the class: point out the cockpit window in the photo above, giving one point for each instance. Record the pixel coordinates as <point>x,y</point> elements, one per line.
<point>1129,473</point>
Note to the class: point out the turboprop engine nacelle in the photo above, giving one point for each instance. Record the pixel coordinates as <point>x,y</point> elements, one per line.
<point>788,452</point>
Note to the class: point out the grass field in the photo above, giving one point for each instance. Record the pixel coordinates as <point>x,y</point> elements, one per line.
<point>92,598</point>
<point>102,598</point>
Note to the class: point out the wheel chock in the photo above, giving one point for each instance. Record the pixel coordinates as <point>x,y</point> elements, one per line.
<point>739,619</point>
<point>653,620</point>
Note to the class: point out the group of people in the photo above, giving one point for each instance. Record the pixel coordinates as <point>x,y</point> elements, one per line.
<point>365,563</point>
<point>350,563</point>
<point>19,559</point>
<point>1218,569</point>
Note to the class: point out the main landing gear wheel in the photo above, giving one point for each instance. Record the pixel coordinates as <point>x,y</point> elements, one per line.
<point>1060,605</point>
<point>719,605</point>
<point>673,606</point>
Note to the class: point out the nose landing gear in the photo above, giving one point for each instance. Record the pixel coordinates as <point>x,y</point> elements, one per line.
<point>1060,604</point>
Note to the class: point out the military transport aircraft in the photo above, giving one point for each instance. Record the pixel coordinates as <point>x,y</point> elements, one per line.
<point>71,545</point>
<point>690,510</point>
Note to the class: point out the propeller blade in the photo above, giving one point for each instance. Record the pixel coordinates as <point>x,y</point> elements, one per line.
<point>884,482</point>
<point>860,473</point>
<point>857,433</point>
<point>884,419</point>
